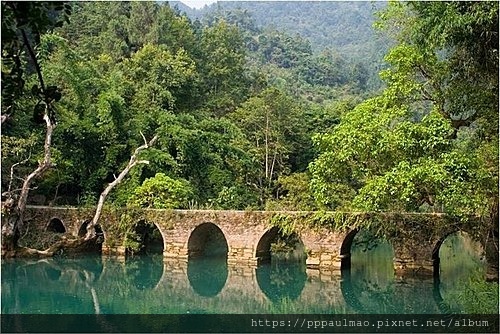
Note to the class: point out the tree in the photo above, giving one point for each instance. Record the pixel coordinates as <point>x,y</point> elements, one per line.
<point>270,121</point>
<point>134,160</point>
<point>422,143</point>
<point>100,28</point>
<point>22,25</point>
<point>162,192</point>
<point>222,67</point>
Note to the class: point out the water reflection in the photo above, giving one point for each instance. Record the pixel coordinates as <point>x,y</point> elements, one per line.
<point>460,260</point>
<point>370,286</point>
<point>147,284</point>
<point>49,285</point>
<point>207,275</point>
<point>144,272</point>
<point>281,280</point>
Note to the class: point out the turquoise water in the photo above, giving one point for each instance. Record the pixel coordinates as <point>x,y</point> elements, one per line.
<point>148,285</point>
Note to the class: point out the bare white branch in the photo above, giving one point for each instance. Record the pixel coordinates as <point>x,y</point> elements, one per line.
<point>132,162</point>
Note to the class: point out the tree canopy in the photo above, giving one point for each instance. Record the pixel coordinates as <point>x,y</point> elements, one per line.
<point>252,116</point>
<point>429,141</point>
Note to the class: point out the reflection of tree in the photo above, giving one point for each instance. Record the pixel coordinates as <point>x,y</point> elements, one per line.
<point>367,296</point>
<point>459,257</point>
<point>369,286</point>
<point>68,285</point>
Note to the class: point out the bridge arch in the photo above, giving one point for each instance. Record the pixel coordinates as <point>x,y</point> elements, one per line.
<point>476,248</point>
<point>149,236</point>
<point>345,249</point>
<point>82,230</point>
<point>273,235</point>
<point>56,225</point>
<point>207,240</point>
<point>371,241</point>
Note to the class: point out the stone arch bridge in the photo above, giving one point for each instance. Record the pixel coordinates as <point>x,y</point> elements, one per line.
<point>247,235</point>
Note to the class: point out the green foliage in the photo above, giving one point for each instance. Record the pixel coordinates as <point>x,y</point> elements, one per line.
<point>20,21</point>
<point>234,197</point>
<point>417,146</point>
<point>306,24</point>
<point>285,224</point>
<point>162,192</point>
<point>222,70</point>
<point>270,121</point>
<point>293,194</point>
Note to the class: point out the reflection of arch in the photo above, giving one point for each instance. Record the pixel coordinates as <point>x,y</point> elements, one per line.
<point>53,274</point>
<point>149,237</point>
<point>436,261</point>
<point>348,292</point>
<point>356,294</point>
<point>281,280</point>
<point>372,273</point>
<point>345,250</point>
<point>207,240</point>
<point>438,298</point>
<point>263,250</point>
<point>92,266</point>
<point>56,225</point>
<point>207,276</point>
<point>145,271</point>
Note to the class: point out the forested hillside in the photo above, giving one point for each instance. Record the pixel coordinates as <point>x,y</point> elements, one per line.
<point>344,28</point>
<point>252,117</point>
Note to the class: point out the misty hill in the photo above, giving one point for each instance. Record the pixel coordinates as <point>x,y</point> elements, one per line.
<point>343,26</point>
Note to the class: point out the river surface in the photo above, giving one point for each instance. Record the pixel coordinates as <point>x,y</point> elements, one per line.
<point>148,285</point>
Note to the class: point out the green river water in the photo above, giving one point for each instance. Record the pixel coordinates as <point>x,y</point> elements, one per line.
<point>147,285</point>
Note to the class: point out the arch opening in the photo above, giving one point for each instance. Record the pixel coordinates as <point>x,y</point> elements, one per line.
<point>275,246</point>
<point>367,273</point>
<point>456,255</point>
<point>97,246</point>
<point>345,250</point>
<point>460,266</point>
<point>146,239</point>
<point>363,250</point>
<point>56,225</point>
<point>83,229</point>
<point>207,266</point>
<point>207,240</point>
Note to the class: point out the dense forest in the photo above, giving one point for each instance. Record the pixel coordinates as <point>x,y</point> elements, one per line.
<point>251,116</point>
<point>344,28</point>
